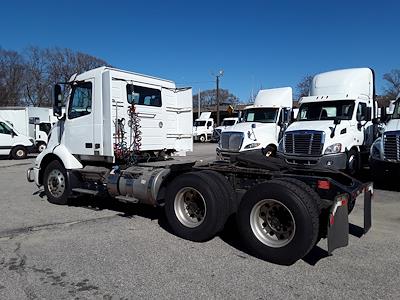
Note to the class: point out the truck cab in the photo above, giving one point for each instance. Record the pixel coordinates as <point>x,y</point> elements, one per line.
<point>385,152</point>
<point>263,124</point>
<point>203,127</point>
<point>13,143</point>
<point>333,127</point>
<point>226,124</point>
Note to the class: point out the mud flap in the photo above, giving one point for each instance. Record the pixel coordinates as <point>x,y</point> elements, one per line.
<point>368,192</point>
<point>338,226</point>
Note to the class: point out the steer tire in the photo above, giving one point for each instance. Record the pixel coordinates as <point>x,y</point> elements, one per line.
<point>202,138</point>
<point>56,171</point>
<point>192,186</point>
<point>291,203</point>
<point>352,164</point>
<point>19,152</point>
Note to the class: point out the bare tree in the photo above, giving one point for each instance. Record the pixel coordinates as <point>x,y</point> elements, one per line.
<point>303,87</point>
<point>392,83</point>
<point>209,97</point>
<point>11,78</point>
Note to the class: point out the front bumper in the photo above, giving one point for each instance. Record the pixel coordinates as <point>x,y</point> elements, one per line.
<point>32,175</point>
<point>385,167</point>
<point>336,161</point>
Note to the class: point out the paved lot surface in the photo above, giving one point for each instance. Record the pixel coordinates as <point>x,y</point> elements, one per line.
<point>94,250</point>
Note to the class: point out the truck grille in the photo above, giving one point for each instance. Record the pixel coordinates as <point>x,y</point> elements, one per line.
<point>231,141</point>
<point>216,133</point>
<point>391,145</point>
<point>304,142</point>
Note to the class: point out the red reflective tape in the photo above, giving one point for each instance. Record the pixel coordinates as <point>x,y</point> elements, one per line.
<point>332,219</point>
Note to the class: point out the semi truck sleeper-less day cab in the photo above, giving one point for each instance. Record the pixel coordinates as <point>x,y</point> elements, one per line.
<point>118,137</point>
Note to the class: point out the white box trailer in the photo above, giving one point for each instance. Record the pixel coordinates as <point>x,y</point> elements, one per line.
<point>33,122</point>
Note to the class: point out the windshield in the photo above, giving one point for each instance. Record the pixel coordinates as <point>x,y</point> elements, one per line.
<point>262,115</point>
<point>228,122</point>
<point>199,123</point>
<point>46,127</point>
<point>396,111</point>
<point>327,110</point>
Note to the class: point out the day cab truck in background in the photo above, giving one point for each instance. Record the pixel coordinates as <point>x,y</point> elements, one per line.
<point>12,143</point>
<point>385,151</point>
<point>203,127</point>
<point>33,122</point>
<point>226,124</point>
<point>117,140</point>
<point>334,125</point>
<point>263,124</point>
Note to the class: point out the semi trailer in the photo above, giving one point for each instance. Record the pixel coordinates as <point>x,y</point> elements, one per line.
<point>334,126</point>
<point>282,211</point>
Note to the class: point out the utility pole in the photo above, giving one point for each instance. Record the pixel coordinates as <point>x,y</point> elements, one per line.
<point>220,73</point>
<point>198,100</point>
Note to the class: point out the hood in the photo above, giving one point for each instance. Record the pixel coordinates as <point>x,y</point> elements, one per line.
<point>393,125</point>
<point>261,131</point>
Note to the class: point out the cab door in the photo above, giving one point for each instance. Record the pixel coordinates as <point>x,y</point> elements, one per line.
<point>78,129</point>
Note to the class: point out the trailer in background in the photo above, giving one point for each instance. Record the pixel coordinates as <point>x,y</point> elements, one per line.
<point>34,122</point>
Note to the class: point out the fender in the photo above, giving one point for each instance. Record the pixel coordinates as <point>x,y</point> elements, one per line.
<point>69,161</point>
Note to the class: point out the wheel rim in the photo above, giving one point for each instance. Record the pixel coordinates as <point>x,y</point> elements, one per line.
<point>272,223</point>
<point>41,148</point>
<point>202,139</point>
<point>352,162</point>
<point>20,153</point>
<point>56,183</point>
<point>190,207</point>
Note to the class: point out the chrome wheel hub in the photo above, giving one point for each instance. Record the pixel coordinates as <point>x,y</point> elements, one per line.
<point>56,183</point>
<point>190,207</point>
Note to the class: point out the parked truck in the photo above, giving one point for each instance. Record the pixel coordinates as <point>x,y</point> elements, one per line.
<point>263,124</point>
<point>226,124</point>
<point>117,138</point>
<point>12,143</point>
<point>334,125</point>
<point>203,127</point>
<point>385,152</point>
<point>33,122</point>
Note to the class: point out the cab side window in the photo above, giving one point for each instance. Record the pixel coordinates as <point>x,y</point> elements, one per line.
<point>4,128</point>
<point>146,96</point>
<point>81,100</point>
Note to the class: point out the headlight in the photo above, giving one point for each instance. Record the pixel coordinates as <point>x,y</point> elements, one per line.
<point>335,148</point>
<point>252,145</point>
<point>376,149</point>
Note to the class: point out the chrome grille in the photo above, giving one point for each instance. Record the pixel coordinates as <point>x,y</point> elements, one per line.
<point>391,145</point>
<point>304,142</point>
<point>231,141</point>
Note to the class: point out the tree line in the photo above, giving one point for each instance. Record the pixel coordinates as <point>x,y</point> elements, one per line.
<point>26,77</point>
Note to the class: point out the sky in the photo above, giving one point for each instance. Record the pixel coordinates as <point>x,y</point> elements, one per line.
<point>257,43</point>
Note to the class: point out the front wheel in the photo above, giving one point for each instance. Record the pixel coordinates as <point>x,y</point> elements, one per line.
<point>41,147</point>
<point>278,221</point>
<point>352,164</point>
<point>55,183</point>
<point>202,138</point>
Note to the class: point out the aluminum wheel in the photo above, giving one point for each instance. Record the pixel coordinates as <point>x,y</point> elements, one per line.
<point>41,148</point>
<point>56,183</point>
<point>272,223</point>
<point>190,207</point>
<point>20,153</point>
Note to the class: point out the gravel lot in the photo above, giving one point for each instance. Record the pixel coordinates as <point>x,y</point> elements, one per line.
<point>95,250</point>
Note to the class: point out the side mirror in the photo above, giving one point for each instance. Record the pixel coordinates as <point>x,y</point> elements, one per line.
<point>337,121</point>
<point>253,125</point>
<point>13,134</point>
<point>132,97</point>
<point>57,101</point>
<point>368,114</point>
<point>376,121</point>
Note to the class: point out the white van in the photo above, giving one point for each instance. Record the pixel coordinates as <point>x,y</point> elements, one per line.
<point>203,127</point>
<point>263,124</point>
<point>13,143</point>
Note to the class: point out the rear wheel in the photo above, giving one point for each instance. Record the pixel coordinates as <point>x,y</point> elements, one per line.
<point>55,183</point>
<point>278,221</point>
<point>19,152</point>
<point>202,138</point>
<point>269,151</point>
<point>195,207</point>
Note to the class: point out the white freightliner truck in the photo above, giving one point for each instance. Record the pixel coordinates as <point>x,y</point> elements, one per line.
<point>263,124</point>
<point>30,121</point>
<point>334,125</point>
<point>226,124</point>
<point>116,140</point>
<point>203,127</point>
<point>385,151</point>
<point>13,143</point>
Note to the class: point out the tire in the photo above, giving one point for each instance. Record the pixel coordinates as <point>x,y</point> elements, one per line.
<point>206,217</point>
<point>352,164</point>
<point>41,147</point>
<point>19,152</point>
<point>269,151</point>
<point>55,183</point>
<point>202,138</point>
<point>293,215</point>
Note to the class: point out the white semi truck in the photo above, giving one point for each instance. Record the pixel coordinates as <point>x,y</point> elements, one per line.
<point>203,127</point>
<point>263,124</point>
<point>226,124</point>
<point>116,140</point>
<point>30,121</point>
<point>385,151</point>
<point>334,125</point>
